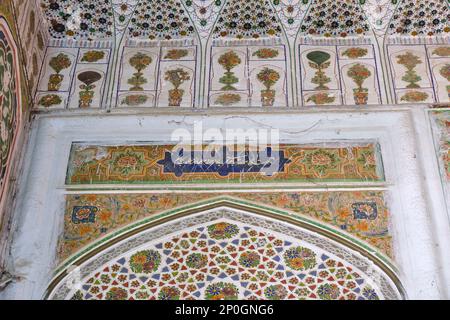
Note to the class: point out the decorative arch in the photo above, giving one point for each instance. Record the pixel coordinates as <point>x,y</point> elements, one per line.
<point>230,250</point>
<point>10,102</point>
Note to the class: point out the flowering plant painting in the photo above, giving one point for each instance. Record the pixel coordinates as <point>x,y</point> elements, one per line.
<point>229,60</point>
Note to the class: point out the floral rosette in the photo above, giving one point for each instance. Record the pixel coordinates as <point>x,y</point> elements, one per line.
<point>146,261</point>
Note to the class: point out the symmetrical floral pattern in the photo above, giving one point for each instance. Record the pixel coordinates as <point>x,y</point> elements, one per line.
<point>291,13</point>
<point>72,78</point>
<point>160,20</point>
<point>421,17</point>
<point>329,18</point>
<point>251,264</point>
<point>10,107</point>
<point>165,20</point>
<point>89,217</point>
<point>250,19</point>
<point>90,164</point>
<point>204,14</point>
<point>88,19</point>
<point>33,37</point>
<point>359,73</point>
<point>212,26</point>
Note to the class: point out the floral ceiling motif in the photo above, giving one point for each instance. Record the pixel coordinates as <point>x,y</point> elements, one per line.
<point>228,255</point>
<point>204,14</point>
<point>330,18</point>
<point>123,10</point>
<point>421,17</point>
<point>222,38</point>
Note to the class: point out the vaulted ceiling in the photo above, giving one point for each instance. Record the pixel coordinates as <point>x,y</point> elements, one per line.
<point>175,19</point>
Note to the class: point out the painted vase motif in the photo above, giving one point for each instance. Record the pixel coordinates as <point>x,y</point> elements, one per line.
<point>359,73</point>
<point>86,95</point>
<point>266,53</point>
<point>140,62</point>
<point>268,77</point>
<point>228,61</point>
<point>58,64</point>
<point>361,96</point>
<point>176,77</point>
<point>319,60</point>
<point>410,62</point>
<point>221,291</point>
<point>321,98</point>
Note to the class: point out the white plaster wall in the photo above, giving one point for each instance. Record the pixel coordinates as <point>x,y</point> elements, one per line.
<point>420,224</point>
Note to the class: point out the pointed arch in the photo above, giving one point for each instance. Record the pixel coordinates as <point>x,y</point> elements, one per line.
<point>320,239</point>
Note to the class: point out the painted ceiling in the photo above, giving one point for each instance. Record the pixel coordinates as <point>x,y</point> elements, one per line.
<point>234,53</point>
<point>172,19</point>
